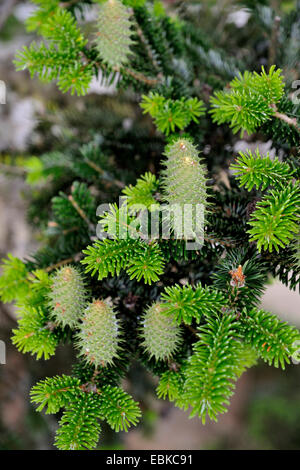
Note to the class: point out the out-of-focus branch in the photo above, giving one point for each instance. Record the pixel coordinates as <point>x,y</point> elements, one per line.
<point>5,10</point>
<point>274,41</point>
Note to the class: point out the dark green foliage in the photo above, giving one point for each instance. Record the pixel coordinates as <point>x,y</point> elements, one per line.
<point>284,265</point>
<point>111,375</point>
<point>76,209</point>
<point>282,132</point>
<point>254,283</point>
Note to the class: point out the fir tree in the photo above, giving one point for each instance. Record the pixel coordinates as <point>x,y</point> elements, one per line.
<point>191,317</point>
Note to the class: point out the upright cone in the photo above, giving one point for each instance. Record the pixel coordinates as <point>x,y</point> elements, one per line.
<point>98,337</point>
<point>161,335</point>
<point>67,297</point>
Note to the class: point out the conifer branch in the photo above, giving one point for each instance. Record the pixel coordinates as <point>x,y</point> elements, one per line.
<point>75,258</point>
<point>81,213</point>
<point>197,339</point>
<point>290,121</point>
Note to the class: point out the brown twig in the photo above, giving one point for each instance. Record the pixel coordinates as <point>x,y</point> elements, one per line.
<point>81,213</point>
<point>97,168</point>
<point>147,47</point>
<point>72,259</point>
<point>274,41</point>
<point>133,73</point>
<point>290,121</point>
<point>138,76</point>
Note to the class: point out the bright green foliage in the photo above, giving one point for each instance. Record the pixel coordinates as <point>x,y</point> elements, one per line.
<point>118,222</point>
<point>79,426</point>
<point>169,114</point>
<point>247,356</point>
<point>62,59</point>
<point>184,179</point>
<point>61,27</point>
<point>275,220</point>
<point>213,368</point>
<point>158,8</point>
<point>142,194</point>
<point>140,260</point>
<point>50,63</point>
<point>76,79</point>
<point>185,303</point>
<point>39,283</point>
<point>67,297</point>
<point>34,169</point>
<point>161,335</point>
<point>113,37</point>
<point>250,100</point>
<point>243,110</point>
<point>274,340</point>
<point>147,263</point>
<point>14,284</point>
<point>134,3</point>
<point>118,408</point>
<point>171,385</point>
<point>55,392</point>
<point>41,14</point>
<point>269,85</point>
<point>97,339</point>
<point>34,334</point>
<point>85,404</point>
<point>108,257</point>
<point>254,170</point>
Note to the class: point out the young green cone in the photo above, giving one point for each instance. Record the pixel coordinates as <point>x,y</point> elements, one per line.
<point>113,38</point>
<point>98,337</point>
<point>68,296</point>
<point>161,335</point>
<point>184,178</point>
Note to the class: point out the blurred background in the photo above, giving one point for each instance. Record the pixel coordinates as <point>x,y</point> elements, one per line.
<point>265,411</point>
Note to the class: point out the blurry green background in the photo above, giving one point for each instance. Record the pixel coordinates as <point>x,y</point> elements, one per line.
<point>265,411</point>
